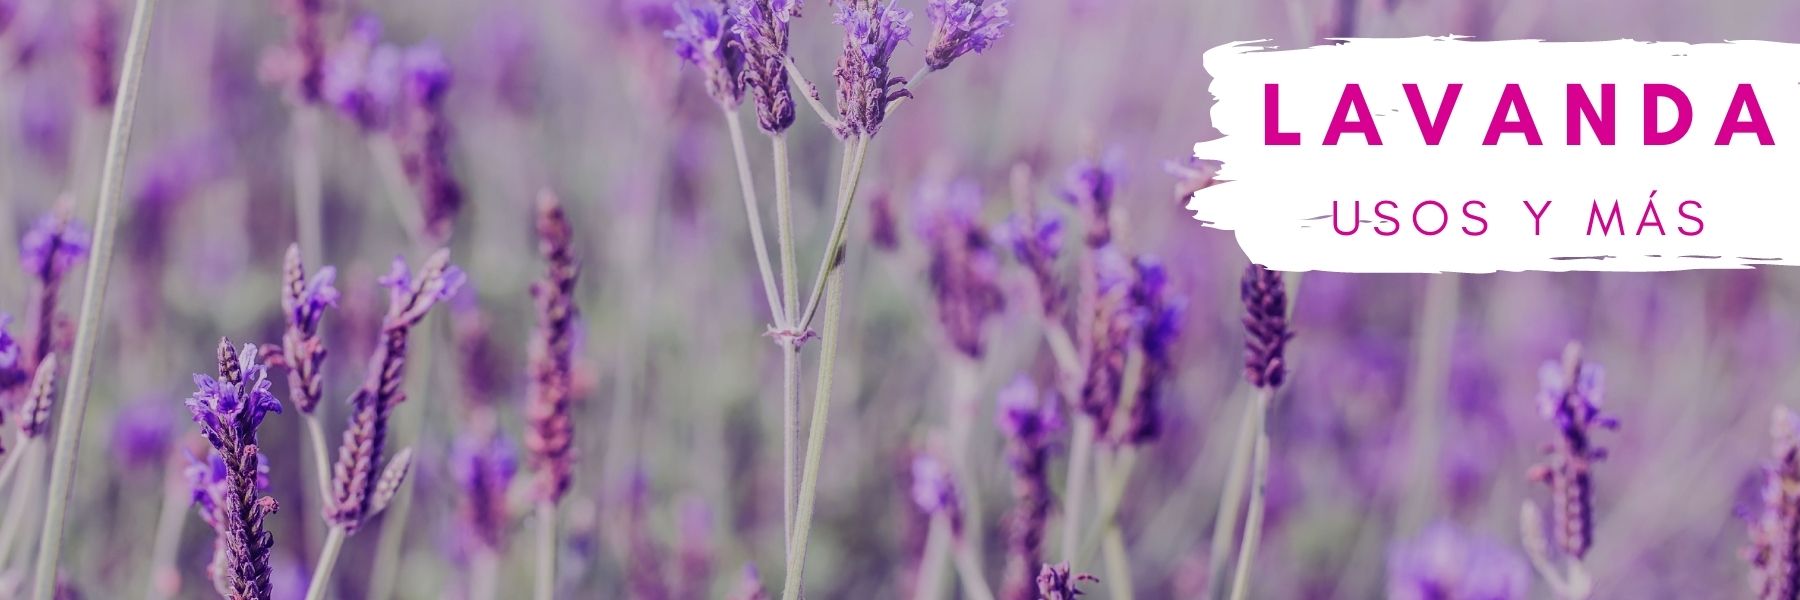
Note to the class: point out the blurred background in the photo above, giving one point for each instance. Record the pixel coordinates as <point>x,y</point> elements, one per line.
<point>1398,422</point>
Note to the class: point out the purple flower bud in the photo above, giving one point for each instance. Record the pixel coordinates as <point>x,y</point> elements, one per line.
<point>306,47</point>
<point>1570,399</point>
<point>1028,419</point>
<point>229,410</point>
<point>934,490</point>
<point>1134,312</point>
<point>549,434</point>
<point>1266,330</point>
<point>706,38</point>
<point>142,433</point>
<point>1090,185</point>
<point>52,246</point>
<point>964,271</point>
<point>97,31</point>
<point>762,29</point>
<point>484,470</point>
<point>427,73</point>
<point>959,27</point>
<point>1774,550</point>
<point>1036,241</point>
<point>423,135</point>
<point>865,83</point>
<point>1445,563</point>
<point>362,76</point>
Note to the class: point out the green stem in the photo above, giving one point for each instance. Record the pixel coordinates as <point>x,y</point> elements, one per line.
<point>929,584</point>
<point>1118,565</point>
<point>1081,457</point>
<point>308,195</point>
<point>328,556</point>
<point>796,563</point>
<point>7,468</point>
<point>840,224</point>
<point>1225,522</point>
<point>546,556</point>
<point>93,300</point>
<point>399,193</point>
<point>321,461</point>
<point>1113,477</point>
<point>969,571</point>
<point>163,580</point>
<point>405,425</point>
<point>484,575</point>
<point>15,512</point>
<point>790,344</point>
<point>754,213</point>
<point>1240,583</point>
<point>1430,381</point>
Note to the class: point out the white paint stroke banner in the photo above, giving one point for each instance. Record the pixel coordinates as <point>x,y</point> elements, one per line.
<point>1449,155</point>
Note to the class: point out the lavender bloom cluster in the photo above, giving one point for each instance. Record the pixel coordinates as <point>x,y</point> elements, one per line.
<point>1774,550</point>
<point>960,27</point>
<point>707,38</point>
<point>229,410</point>
<point>964,270</point>
<point>1446,563</point>
<point>423,133</point>
<point>865,83</point>
<point>1266,330</point>
<point>762,28</point>
<point>304,300</point>
<point>1036,242</point>
<point>354,482</point>
<point>361,77</point>
<point>1569,396</point>
<point>1134,312</point>
<point>484,471</point>
<point>933,491</point>
<point>550,434</point>
<point>1030,421</point>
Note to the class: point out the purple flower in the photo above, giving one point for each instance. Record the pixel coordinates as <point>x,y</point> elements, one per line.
<point>484,470</point>
<point>229,410</point>
<point>1090,185</point>
<point>1028,419</point>
<point>934,490</point>
<point>1266,330</point>
<point>304,300</point>
<point>52,246</point>
<point>1134,312</point>
<point>1774,551</point>
<point>423,136</point>
<point>959,27</point>
<point>362,76</point>
<point>12,369</point>
<point>550,431</point>
<point>1445,563</point>
<point>306,49</point>
<point>142,432</point>
<point>427,73</point>
<point>1057,582</point>
<point>964,271</point>
<point>762,28</point>
<point>706,38</point>
<point>1570,399</point>
<point>399,282</point>
<point>865,84</point>
<point>97,31</point>
<point>1036,241</point>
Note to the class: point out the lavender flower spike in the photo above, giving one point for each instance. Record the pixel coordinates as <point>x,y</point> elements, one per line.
<point>1266,331</point>
<point>1036,241</point>
<point>229,410</point>
<point>960,27</point>
<point>548,436</point>
<point>354,479</point>
<point>1570,397</point>
<point>1774,551</point>
<point>1134,312</point>
<point>762,30</point>
<point>484,471</point>
<point>934,491</point>
<point>1057,582</point>
<point>97,32</point>
<point>47,252</point>
<point>35,415</point>
<point>304,301</point>
<point>1029,420</point>
<point>306,52</point>
<point>1090,186</point>
<point>424,139</point>
<point>707,39</point>
<point>964,270</point>
<point>865,83</point>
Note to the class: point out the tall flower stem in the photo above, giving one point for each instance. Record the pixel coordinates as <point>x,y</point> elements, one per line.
<point>308,193</point>
<point>321,460</point>
<point>789,340</point>
<point>166,543</point>
<point>74,412</point>
<point>753,211</point>
<point>1430,381</point>
<point>1225,522</point>
<point>328,555</point>
<point>1240,583</point>
<point>22,499</point>
<point>408,425</point>
<point>546,556</point>
<point>796,559</point>
<point>7,468</point>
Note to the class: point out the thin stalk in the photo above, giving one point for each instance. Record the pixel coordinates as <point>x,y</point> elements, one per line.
<point>1225,522</point>
<point>1430,381</point>
<point>1114,474</point>
<point>484,576</point>
<point>328,556</point>
<point>1081,458</point>
<point>840,223</point>
<point>74,412</point>
<point>966,381</point>
<point>810,92</point>
<point>969,571</point>
<point>321,462</point>
<point>1118,565</point>
<point>15,511</point>
<point>546,551</point>
<point>929,584</point>
<point>7,468</point>
<point>815,446</point>
<point>163,580</point>
<point>407,425</point>
<point>1240,583</point>
<point>399,193</point>
<point>308,195</point>
<point>790,346</point>
<point>754,213</point>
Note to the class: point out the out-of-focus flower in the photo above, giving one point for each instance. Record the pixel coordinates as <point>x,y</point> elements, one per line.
<point>1446,563</point>
<point>1134,313</point>
<point>1266,330</point>
<point>423,136</point>
<point>97,32</point>
<point>762,26</point>
<point>1028,419</point>
<point>1036,241</point>
<point>52,246</point>
<point>1090,185</point>
<point>550,431</point>
<point>305,299</point>
<point>305,52</point>
<point>142,433</point>
<point>1774,551</point>
<point>959,27</point>
<point>12,368</point>
<point>1057,582</point>
<point>44,120</point>
<point>750,586</point>
<point>694,551</point>
<point>484,471</point>
<point>707,39</point>
<point>884,225</point>
<point>362,77</point>
<point>865,83</point>
<point>645,578</point>
<point>1569,397</point>
<point>964,271</point>
<point>934,490</point>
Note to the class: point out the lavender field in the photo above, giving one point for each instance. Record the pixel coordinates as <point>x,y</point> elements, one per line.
<point>756,299</point>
